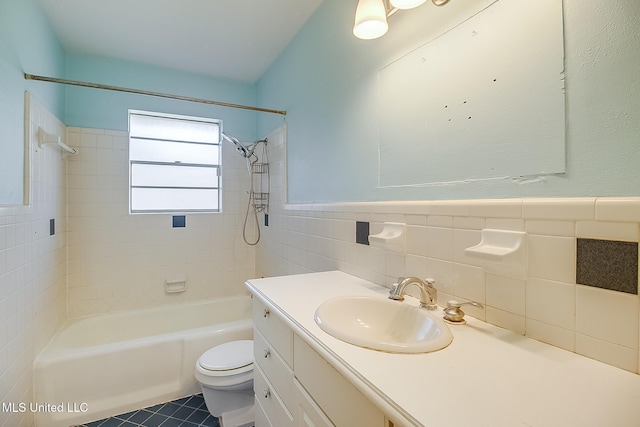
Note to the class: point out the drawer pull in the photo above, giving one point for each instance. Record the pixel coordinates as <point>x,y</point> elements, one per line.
<point>265,313</point>
<point>267,353</point>
<point>267,393</point>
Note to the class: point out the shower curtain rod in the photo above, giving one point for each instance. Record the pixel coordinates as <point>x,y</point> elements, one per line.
<point>145,92</point>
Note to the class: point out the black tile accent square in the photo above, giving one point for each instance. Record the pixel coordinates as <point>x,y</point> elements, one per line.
<point>362,232</point>
<point>608,264</point>
<point>179,221</point>
<point>52,227</point>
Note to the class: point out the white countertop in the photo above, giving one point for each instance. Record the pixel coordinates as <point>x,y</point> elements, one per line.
<point>488,376</point>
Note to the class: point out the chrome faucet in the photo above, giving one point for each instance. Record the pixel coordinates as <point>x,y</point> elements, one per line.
<point>428,293</point>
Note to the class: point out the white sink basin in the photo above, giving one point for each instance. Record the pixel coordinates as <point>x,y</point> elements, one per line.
<point>383,324</point>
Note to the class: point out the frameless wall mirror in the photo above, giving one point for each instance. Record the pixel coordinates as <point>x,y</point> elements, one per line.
<point>483,101</point>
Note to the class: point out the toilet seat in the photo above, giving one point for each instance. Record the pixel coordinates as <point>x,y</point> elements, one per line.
<point>225,374</point>
<point>231,358</point>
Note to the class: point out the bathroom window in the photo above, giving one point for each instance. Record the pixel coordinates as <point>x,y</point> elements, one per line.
<point>174,163</point>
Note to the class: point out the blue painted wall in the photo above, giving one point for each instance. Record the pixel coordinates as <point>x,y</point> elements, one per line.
<point>27,44</point>
<point>327,81</point>
<point>103,109</point>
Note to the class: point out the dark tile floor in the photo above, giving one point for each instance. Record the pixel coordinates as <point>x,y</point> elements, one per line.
<point>186,412</point>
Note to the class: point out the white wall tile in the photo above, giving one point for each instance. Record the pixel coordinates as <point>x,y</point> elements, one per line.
<point>416,266</point>
<point>506,293</point>
<point>416,219</point>
<point>442,272</point>
<point>463,239</point>
<point>552,257</point>
<point>130,242</point>
<point>32,264</point>
<point>440,243</point>
<point>505,319</point>
<point>618,209</point>
<point>556,336</point>
<point>416,240</point>
<point>469,282</point>
<point>607,352</point>
<point>505,224</point>
<point>440,221</point>
<point>497,208</point>
<point>617,321</point>
<point>559,208</point>
<point>551,302</point>
<point>621,231</point>
<point>471,223</point>
<point>550,228</point>
<point>449,207</point>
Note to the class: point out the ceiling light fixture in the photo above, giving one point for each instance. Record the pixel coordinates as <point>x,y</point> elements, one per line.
<point>371,15</point>
<point>406,4</point>
<point>371,19</point>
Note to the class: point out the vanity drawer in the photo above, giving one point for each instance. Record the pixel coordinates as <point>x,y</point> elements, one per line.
<point>338,398</point>
<point>270,402</point>
<point>274,368</point>
<point>274,330</point>
<point>261,419</point>
<point>307,413</point>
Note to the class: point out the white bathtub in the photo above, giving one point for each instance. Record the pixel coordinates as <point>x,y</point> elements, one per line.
<point>110,364</point>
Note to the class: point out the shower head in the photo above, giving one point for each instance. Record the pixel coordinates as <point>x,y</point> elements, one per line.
<point>244,151</point>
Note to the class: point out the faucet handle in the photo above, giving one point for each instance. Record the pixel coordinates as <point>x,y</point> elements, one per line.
<point>393,291</point>
<point>454,314</point>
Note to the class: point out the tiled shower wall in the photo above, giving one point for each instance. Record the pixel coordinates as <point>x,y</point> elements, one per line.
<point>119,261</point>
<point>548,305</point>
<point>32,268</point>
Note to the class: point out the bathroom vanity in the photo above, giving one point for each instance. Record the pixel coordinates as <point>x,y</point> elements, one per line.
<point>287,392</point>
<point>487,376</point>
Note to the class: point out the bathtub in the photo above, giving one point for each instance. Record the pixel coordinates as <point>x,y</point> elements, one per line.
<point>110,364</point>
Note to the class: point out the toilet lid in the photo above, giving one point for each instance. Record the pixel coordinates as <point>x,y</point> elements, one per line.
<point>229,356</point>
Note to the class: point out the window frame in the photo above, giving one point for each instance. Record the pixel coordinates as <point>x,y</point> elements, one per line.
<point>217,185</point>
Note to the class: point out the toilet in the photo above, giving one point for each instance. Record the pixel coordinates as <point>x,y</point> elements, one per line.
<point>225,373</point>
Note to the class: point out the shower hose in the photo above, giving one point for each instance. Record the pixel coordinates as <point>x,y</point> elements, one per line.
<point>254,206</point>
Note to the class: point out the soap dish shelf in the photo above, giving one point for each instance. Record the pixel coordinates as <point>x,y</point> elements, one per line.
<point>502,252</point>
<point>391,238</point>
